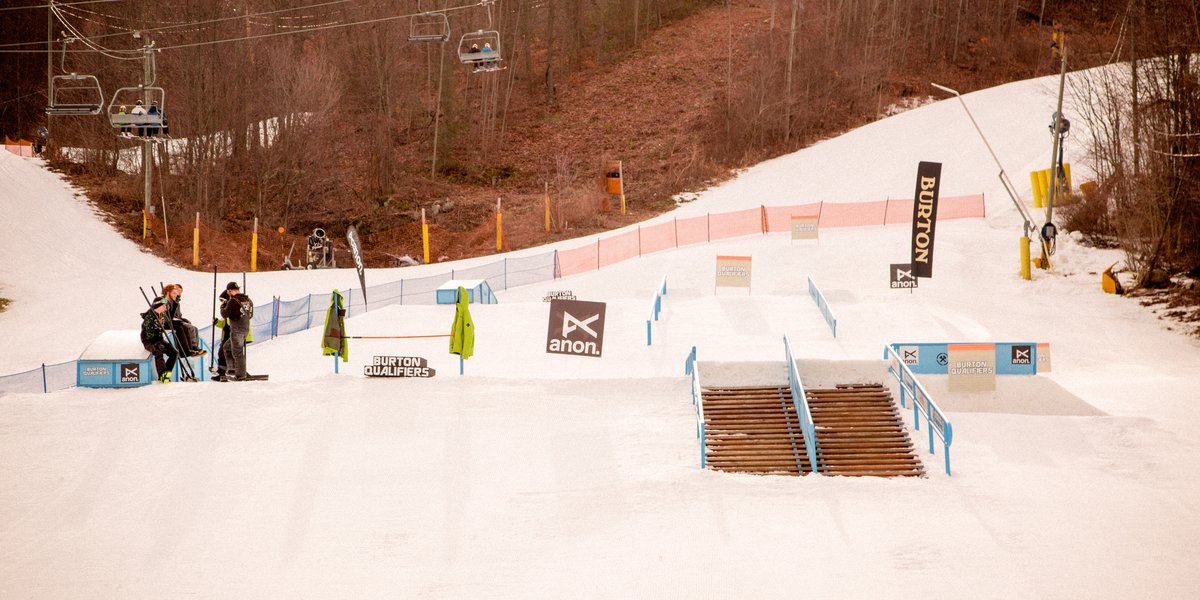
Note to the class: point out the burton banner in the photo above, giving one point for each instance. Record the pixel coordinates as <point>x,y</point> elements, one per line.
<point>929,175</point>
<point>356,252</point>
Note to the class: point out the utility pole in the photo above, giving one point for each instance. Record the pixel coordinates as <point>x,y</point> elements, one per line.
<point>49,54</point>
<point>147,145</point>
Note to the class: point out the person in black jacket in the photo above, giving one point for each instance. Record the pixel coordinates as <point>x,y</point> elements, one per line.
<point>154,339</point>
<point>237,311</point>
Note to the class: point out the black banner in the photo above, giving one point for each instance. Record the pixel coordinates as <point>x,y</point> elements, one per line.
<point>356,252</point>
<point>576,327</point>
<point>902,277</point>
<point>929,175</point>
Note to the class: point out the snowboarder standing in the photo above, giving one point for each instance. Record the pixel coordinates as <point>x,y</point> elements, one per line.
<point>237,310</point>
<point>231,289</point>
<point>154,339</point>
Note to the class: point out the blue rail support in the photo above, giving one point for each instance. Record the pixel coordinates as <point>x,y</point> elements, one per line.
<point>655,309</point>
<point>935,419</point>
<point>800,401</point>
<point>822,304</point>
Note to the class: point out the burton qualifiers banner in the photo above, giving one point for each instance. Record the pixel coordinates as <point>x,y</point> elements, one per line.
<point>929,176</point>
<point>733,271</point>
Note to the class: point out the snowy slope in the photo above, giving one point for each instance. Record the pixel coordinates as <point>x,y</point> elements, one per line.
<point>547,476</point>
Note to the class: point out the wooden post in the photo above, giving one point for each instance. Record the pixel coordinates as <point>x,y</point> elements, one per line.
<point>499,227</point>
<point>547,184</point>
<point>425,236</point>
<point>621,170</point>
<point>254,248</point>
<point>196,242</point>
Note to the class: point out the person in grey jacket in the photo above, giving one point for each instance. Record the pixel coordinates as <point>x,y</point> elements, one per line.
<point>238,311</point>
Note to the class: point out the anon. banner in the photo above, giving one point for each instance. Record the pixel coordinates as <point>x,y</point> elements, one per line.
<point>576,327</point>
<point>929,175</point>
<point>902,277</point>
<point>972,367</point>
<point>733,271</point>
<point>356,252</point>
<point>804,228</point>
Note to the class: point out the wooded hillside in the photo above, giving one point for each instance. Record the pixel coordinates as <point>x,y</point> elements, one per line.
<point>325,114</point>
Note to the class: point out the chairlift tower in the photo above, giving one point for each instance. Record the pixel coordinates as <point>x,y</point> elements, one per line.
<point>1057,131</point>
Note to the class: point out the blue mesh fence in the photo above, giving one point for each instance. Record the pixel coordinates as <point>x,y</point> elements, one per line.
<point>61,376</point>
<point>386,294</point>
<point>527,270</point>
<point>283,317</point>
<point>492,273</point>
<point>27,382</point>
<point>354,301</point>
<point>294,315</point>
<point>263,322</point>
<point>423,290</point>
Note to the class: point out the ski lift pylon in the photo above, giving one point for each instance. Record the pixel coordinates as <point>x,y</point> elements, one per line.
<point>75,95</point>
<point>429,27</point>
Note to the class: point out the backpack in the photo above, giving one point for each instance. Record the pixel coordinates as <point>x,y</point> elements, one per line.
<point>246,306</point>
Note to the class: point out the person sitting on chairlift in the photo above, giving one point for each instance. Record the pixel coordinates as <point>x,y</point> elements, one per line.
<point>138,109</point>
<point>153,130</point>
<point>123,111</point>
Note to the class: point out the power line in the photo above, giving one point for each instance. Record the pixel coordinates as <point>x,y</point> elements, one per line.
<point>57,4</point>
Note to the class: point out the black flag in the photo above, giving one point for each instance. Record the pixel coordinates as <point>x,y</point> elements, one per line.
<point>929,175</point>
<point>356,252</point>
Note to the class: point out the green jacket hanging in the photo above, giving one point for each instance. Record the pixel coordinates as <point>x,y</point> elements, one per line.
<point>334,340</point>
<point>462,333</point>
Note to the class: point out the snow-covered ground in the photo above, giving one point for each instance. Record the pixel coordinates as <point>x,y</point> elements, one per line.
<point>537,475</point>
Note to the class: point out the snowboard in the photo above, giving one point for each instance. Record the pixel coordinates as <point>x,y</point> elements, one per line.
<point>248,378</point>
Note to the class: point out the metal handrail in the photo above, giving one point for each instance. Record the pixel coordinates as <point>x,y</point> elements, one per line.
<point>800,401</point>
<point>822,304</point>
<point>691,368</point>
<point>655,309</point>
<point>923,403</point>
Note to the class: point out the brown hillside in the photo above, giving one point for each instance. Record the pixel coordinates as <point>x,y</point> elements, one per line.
<point>653,109</point>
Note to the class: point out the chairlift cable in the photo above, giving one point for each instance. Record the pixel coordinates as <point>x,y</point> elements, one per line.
<point>207,21</point>
<point>87,42</point>
<point>312,29</point>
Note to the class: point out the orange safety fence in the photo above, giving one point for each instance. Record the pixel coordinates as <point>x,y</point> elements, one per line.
<point>852,214</point>
<point>779,218</point>
<point>19,147</point>
<point>619,247</point>
<point>578,260</point>
<point>735,224</point>
<point>764,219</point>
<point>692,231</point>
<point>656,238</point>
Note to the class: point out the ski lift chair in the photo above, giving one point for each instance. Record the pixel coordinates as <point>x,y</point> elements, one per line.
<point>145,126</point>
<point>472,50</point>
<point>75,95</point>
<point>429,27</point>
